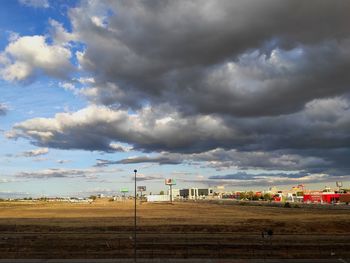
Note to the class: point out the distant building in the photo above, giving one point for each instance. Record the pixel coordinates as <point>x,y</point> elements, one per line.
<point>158,198</point>
<point>175,193</point>
<point>196,193</point>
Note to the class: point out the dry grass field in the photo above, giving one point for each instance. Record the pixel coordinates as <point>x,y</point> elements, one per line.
<point>181,230</point>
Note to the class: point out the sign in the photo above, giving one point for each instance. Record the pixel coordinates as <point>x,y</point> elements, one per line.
<point>124,190</point>
<point>170,182</point>
<point>141,188</point>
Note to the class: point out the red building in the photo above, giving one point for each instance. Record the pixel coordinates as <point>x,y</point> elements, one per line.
<point>321,197</point>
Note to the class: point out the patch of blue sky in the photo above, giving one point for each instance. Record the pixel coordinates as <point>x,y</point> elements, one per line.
<point>26,20</point>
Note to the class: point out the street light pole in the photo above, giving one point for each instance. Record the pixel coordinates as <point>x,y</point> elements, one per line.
<point>135,250</point>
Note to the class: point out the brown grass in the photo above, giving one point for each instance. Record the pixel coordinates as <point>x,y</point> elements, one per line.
<point>92,224</point>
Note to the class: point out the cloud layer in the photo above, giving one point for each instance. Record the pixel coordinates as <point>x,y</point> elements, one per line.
<point>239,58</point>
<point>222,84</point>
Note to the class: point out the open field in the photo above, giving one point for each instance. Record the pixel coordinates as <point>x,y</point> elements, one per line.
<point>183,230</point>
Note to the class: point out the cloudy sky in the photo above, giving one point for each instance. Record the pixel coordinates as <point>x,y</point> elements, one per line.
<point>242,94</point>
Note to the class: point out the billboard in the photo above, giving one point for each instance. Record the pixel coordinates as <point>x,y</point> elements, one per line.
<point>170,182</point>
<point>124,190</point>
<point>141,188</point>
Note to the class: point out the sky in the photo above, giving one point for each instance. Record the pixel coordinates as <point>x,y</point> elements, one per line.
<point>231,95</point>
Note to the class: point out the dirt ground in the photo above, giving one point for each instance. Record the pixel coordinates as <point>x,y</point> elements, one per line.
<point>104,229</point>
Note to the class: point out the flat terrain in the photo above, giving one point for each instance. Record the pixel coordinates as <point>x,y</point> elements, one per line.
<point>181,230</point>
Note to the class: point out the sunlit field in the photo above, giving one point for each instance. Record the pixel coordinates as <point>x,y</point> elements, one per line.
<point>104,229</point>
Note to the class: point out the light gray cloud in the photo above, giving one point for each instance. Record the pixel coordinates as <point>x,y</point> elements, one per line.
<point>13,194</point>
<point>250,181</point>
<point>141,177</point>
<point>63,161</point>
<point>3,109</point>
<point>36,152</point>
<point>89,173</point>
<point>35,3</point>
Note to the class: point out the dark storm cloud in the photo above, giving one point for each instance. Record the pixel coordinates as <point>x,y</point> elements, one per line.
<point>240,58</point>
<point>51,173</point>
<point>293,163</point>
<point>97,128</point>
<point>142,159</point>
<point>323,124</point>
<point>246,176</point>
<point>149,178</point>
<point>249,183</point>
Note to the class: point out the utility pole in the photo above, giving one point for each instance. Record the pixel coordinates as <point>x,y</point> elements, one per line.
<point>135,243</point>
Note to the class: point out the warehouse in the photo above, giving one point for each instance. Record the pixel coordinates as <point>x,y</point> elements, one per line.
<point>196,193</point>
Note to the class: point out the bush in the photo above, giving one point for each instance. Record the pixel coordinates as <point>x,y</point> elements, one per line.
<point>267,197</point>
<point>287,205</point>
<point>93,197</point>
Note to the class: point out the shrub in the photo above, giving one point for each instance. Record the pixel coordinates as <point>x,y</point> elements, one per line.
<point>287,205</point>
<point>93,197</point>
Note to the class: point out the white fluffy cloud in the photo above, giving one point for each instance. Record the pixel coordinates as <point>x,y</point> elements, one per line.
<point>26,57</point>
<point>60,34</point>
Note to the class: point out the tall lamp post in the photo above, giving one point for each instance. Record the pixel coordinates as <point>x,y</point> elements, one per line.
<point>135,250</point>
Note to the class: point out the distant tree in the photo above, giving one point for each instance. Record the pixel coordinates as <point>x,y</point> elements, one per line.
<point>161,192</point>
<point>250,195</point>
<point>93,197</point>
<point>255,197</point>
<point>242,195</point>
<point>267,197</point>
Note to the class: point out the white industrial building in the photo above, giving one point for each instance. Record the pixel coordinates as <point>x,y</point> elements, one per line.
<point>175,193</point>
<point>196,193</point>
<point>158,198</point>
